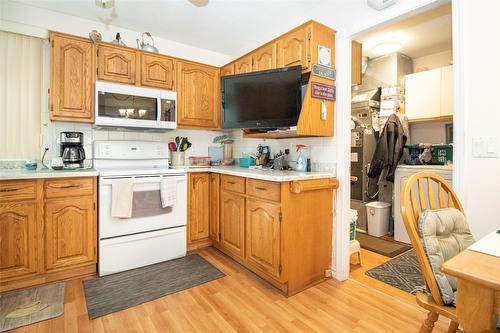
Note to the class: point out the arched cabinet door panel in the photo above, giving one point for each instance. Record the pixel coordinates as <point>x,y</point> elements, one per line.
<point>232,223</point>
<point>157,71</point>
<point>116,64</point>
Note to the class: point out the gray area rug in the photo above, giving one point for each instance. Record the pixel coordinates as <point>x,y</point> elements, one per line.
<point>49,299</point>
<point>402,272</point>
<point>108,294</point>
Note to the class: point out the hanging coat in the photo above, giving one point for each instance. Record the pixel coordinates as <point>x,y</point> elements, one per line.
<point>389,150</point>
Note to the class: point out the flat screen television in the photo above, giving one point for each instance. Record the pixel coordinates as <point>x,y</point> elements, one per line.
<point>264,99</point>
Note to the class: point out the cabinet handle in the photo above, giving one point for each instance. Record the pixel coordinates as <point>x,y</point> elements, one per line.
<point>9,189</point>
<point>232,183</point>
<point>71,186</point>
<point>261,188</point>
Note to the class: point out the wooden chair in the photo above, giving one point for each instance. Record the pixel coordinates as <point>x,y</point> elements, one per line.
<point>417,196</point>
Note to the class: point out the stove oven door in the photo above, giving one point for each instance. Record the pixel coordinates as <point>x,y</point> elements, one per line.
<point>147,213</point>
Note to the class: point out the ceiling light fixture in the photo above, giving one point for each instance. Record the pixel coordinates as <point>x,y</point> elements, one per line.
<point>386,47</point>
<point>105,3</point>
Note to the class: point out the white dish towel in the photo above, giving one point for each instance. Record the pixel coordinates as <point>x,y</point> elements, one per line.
<point>168,191</point>
<point>122,194</point>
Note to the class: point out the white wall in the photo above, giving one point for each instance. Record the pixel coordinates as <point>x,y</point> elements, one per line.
<point>477,95</point>
<point>432,61</point>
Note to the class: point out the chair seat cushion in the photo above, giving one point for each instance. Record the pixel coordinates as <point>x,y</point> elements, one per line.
<point>444,234</point>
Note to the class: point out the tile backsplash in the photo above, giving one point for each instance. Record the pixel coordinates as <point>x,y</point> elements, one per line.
<point>321,151</point>
<point>200,139</point>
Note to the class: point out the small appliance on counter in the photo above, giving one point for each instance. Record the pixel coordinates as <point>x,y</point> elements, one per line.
<point>72,152</point>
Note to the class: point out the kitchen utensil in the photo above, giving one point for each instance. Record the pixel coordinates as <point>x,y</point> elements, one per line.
<point>118,40</point>
<point>146,46</point>
<point>171,146</point>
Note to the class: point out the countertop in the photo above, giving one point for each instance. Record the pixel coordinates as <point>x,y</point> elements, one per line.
<point>264,174</point>
<point>6,174</point>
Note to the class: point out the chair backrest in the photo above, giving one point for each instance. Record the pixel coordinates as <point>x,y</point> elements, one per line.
<point>423,191</point>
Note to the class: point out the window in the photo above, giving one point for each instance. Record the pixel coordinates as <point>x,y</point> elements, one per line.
<point>20,96</point>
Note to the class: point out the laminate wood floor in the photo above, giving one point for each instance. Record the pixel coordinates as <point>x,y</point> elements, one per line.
<point>242,302</point>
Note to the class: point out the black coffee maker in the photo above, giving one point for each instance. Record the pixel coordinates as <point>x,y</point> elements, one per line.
<point>72,152</point>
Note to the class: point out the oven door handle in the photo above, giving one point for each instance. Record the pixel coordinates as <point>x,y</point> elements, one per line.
<point>140,180</point>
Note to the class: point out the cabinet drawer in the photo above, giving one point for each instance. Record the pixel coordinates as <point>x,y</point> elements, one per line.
<point>232,183</point>
<point>264,189</point>
<point>65,187</point>
<point>17,190</point>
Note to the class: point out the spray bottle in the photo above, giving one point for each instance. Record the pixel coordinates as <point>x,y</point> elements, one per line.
<point>301,159</point>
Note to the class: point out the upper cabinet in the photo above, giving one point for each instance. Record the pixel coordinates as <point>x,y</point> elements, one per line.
<point>264,58</point>
<point>157,71</point>
<point>428,94</point>
<point>198,94</point>
<point>293,48</point>
<point>243,65</point>
<point>227,70</point>
<point>116,64</point>
<point>356,62</point>
<point>72,71</point>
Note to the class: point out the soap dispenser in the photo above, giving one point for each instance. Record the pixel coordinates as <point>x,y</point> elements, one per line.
<point>301,165</point>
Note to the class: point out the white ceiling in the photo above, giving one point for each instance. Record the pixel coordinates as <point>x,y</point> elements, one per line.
<point>230,27</point>
<point>422,34</point>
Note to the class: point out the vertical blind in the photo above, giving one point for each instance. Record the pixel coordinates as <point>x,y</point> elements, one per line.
<point>20,96</point>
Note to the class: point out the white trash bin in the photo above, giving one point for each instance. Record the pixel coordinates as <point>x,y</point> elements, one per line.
<point>378,215</point>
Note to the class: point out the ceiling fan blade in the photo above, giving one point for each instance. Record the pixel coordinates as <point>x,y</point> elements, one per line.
<point>199,3</point>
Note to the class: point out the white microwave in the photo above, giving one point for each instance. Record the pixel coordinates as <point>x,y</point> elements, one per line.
<point>119,105</point>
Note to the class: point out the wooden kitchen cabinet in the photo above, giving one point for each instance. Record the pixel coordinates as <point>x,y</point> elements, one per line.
<point>293,48</point>
<point>198,209</point>
<point>116,64</point>
<point>232,223</point>
<point>157,71</point>
<point>263,235</point>
<point>214,198</point>
<point>48,230</point>
<point>356,62</point>
<point>227,70</point>
<point>72,77</point>
<point>264,58</point>
<point>198,95</point>
<point>243,65</point>
<point>70,232</point>
<point>18,235</point>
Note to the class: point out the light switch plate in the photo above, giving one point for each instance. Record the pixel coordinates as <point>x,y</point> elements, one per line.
<point>485,147</point>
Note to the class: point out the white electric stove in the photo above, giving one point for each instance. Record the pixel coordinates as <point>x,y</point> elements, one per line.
<point>153,234</point>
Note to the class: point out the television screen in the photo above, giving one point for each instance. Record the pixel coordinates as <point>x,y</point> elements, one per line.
<point>264,99</point>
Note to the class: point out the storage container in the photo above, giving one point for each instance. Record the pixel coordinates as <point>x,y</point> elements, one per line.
<point>199,160</point>
<point>441,154</point>
<point>378,215</point>
<point>246,162</point>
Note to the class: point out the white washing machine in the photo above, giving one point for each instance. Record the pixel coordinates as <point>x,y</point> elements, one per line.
<point>403,172</point>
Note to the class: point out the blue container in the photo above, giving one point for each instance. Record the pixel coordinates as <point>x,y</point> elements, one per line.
<point>246,162</point>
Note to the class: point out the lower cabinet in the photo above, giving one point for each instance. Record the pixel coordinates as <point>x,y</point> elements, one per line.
<point>18,242</point>
<point>48,230</point>
<point>263,236</point>
<point>198,210</point>
<point>232,223</point>
<point>214,231</point>
<point>70,235</point>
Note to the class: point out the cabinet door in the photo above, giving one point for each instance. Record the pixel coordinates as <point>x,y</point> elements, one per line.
<point>227,70</point>
<point>116,64</point>
<point>264,58</point>
<point>18,239</point>
<point>214,206</point>
<point>293,49</point>
<point>232,223</point>
<point>244,65</point>
<point>446,91</point>
<point>197,95</point>
<point>70,232</point>
<point>263,236</point>
<point>157,71</point>
<point>423,95</point>
<point>72,69</point>
<point>198,207</point>
<point>356,62</point>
